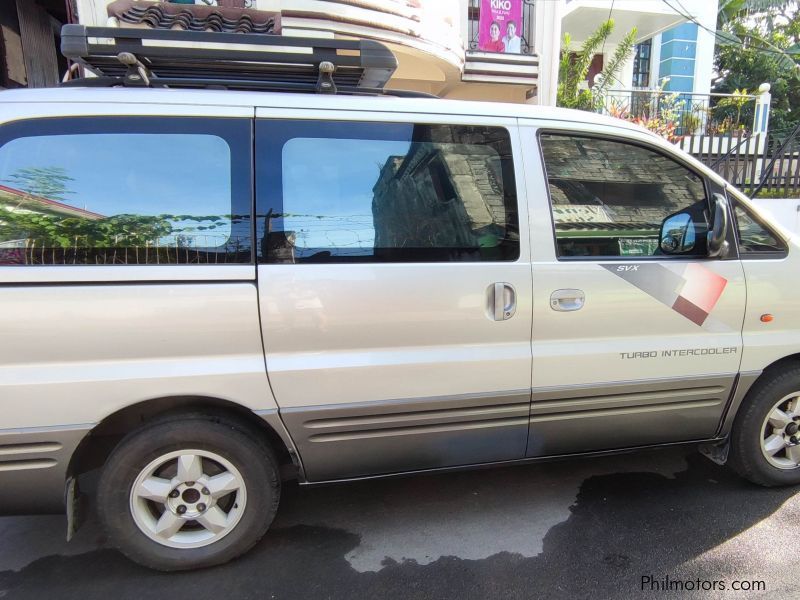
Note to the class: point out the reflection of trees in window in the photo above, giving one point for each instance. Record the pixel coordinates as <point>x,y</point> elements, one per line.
<point>48,182</point>
<point>42,228</point>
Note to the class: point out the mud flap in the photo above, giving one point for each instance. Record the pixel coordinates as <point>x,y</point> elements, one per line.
<point>74,506</point>
<point>716,451</point>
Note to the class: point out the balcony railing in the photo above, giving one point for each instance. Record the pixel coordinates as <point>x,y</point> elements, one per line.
<point>687,113</point>
<point>524,29</point>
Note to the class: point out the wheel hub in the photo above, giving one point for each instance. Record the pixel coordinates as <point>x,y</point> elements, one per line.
<point>188,498</point>
<point>780,438</point>
<point>188,501</point>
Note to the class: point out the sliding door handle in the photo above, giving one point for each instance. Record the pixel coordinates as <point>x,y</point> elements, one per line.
<point>502,300</point>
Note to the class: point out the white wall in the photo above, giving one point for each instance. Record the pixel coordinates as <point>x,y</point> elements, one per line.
<point>93,12</point>
<point>784,211</point>
<point>547,44</point>
<point>706,13</point>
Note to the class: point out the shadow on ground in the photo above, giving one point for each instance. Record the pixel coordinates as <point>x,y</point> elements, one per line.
<point>576,528</point>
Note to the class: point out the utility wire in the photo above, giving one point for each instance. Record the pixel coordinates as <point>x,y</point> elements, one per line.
<point>610,11</point>
<point>722,38</point>
<point>603,47</point>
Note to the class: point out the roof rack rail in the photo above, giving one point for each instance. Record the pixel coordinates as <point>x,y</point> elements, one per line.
<point>198,59</point>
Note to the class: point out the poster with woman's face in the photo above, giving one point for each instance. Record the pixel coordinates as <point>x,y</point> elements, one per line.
<point>500,27</point>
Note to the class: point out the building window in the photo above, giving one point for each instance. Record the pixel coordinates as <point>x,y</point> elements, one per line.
<point>385,192</point>
<point>641,64</point>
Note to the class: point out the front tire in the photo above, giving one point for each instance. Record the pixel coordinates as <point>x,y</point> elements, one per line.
<point>187,492</point>
<point>765,441</point>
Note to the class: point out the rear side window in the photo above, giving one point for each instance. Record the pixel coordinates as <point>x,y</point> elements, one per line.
<point>384,192</point>
<point>125,191</point>
<point>609,198</point>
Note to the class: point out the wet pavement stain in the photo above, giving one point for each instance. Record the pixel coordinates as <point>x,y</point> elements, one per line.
<point>699,522</point>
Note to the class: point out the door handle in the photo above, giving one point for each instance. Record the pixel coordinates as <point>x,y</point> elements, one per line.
<point>567,300</point>
<point>502,301</point>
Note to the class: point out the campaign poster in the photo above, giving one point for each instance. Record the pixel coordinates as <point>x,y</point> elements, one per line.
<point>500,26</point>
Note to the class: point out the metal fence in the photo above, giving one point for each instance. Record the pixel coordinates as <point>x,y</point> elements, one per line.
<point>204,250</point>
<point>689,113</point>
<point>761,164</point>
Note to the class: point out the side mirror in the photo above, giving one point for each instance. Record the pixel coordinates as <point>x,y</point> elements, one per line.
<point>717,237</point>
<point>677,234</point>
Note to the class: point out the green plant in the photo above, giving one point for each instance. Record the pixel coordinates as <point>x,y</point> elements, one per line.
<point>773,194</point>
<point>759,41</point>
<point>691,122</point>
<point>573,68</point>
<point>661,114</point>
<point>736,102</point>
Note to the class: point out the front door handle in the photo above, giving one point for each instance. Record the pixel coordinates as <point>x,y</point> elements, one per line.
<point>567,300</point>
<point>502,300</point>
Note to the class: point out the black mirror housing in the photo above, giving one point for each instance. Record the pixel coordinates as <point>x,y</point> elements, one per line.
<point>718,235</point>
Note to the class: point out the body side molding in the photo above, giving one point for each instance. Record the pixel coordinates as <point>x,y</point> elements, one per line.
<point>369,438</point>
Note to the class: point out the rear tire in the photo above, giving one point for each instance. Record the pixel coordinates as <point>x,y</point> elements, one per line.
<point>765,441</point>
<point>188,492</point>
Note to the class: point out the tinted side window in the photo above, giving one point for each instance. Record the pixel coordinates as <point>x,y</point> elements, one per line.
<point>88,191</point>
<point>384,192</point>
<point>609,198</point>
<point>754,238</point>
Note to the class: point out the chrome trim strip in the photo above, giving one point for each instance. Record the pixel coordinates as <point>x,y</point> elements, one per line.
<point>631,386</point>
<point>416,430</point>
<point>31,448</point>
<point>410,417</point>
<point>632,399</point>
<point>48,428</point>
<point>24,465</point>
<point>622,411</point>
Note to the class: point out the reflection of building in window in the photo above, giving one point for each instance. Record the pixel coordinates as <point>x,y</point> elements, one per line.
<point>446,194</point>
<point>18,209</point>
<point>20,202</point>
<point>610,198</point>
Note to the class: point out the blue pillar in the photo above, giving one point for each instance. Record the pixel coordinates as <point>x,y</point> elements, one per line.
<point>678,51</point>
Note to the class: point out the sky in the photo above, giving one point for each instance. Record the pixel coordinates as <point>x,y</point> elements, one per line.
<point>333,179</point>
<point>145,174</point>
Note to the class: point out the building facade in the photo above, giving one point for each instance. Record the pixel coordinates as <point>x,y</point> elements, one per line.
<point>675,41</point>
<point>500,50</point>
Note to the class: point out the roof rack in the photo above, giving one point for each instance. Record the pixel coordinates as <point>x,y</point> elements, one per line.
<point>198,59</point>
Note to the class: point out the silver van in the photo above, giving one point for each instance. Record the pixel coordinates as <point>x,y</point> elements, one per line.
<point>207,292</point>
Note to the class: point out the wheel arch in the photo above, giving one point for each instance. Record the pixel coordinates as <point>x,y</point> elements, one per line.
<point>750,381</point>
<point>97,445</point>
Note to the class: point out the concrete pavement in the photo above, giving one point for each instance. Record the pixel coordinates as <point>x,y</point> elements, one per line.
<point>578,528</point>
